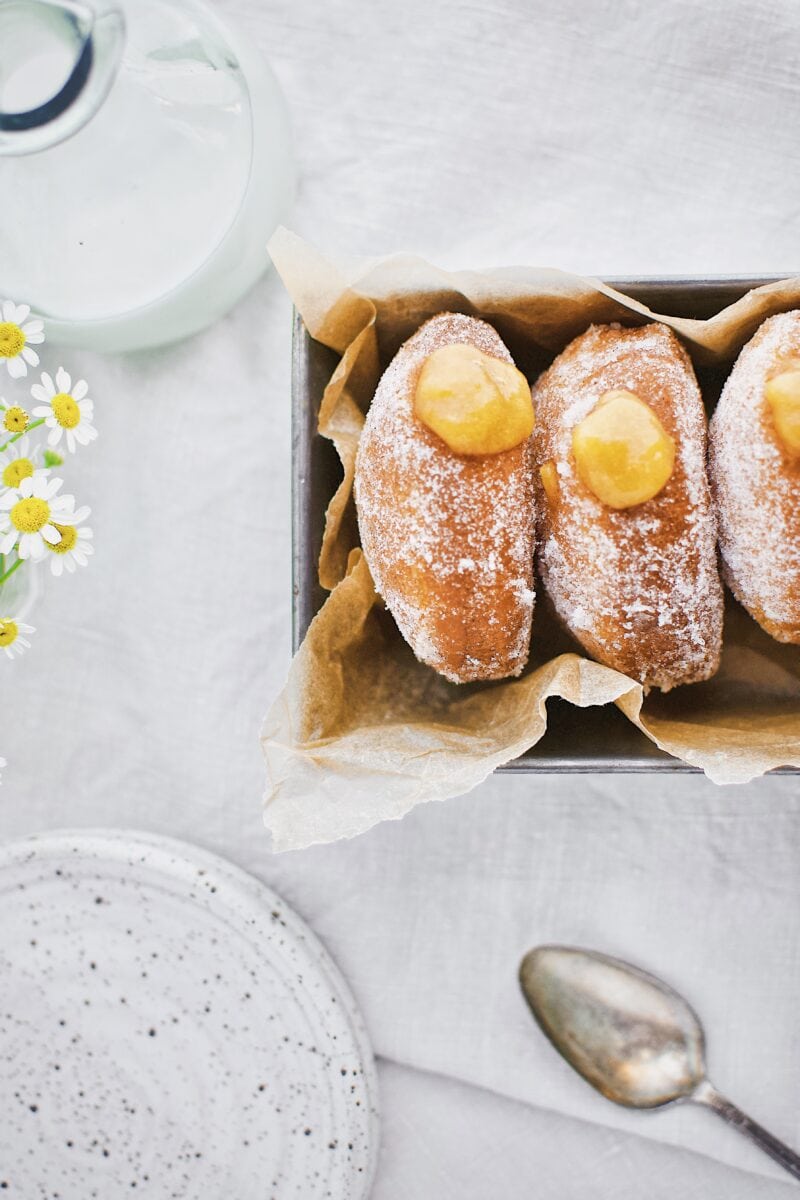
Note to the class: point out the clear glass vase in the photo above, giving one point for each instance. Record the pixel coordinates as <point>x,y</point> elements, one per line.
<point>21,591</point>
<point>144,163</point>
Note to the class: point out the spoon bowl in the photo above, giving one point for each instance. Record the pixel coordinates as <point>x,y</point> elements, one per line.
<point>629,1035</point>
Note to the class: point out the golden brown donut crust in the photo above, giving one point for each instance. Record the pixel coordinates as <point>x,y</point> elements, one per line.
<point>448,538</point>
<point>638,588</point>
<point>756,485</point>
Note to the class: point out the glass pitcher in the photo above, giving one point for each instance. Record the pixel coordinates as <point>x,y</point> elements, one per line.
<point>144,162</point>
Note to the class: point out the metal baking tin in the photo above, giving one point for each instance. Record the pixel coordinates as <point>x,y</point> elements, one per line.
<point>577,740</point>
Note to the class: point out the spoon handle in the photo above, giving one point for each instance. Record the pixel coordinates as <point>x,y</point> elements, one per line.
<point>708,1095</point>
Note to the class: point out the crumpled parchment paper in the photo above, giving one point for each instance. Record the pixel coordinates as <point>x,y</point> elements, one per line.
<point>361,731</point>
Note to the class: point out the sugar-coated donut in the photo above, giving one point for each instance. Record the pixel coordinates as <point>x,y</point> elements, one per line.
<point>755,476</point>
<point>448,536</point>
<point>634,580</point>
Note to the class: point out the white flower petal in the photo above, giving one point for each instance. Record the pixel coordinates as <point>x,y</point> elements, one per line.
<point>26,487</point>
<point>21,313</point>
<point>29,355</point>
<point>25,628</point>
<point>17,367</point>
<point>71,443</point>
<point>63,380</point>
<point>79,515</point>
<point>37,545</point>
<point>51,534</point>
<point>50,487</point>
<point>8,499</point>
<point>24,547</point>
<point>7,544</point>
<point>48,385</point>
<point>69,564</point>
<point>80,390</point>
<point>9,308</point>
<point>54,436</point>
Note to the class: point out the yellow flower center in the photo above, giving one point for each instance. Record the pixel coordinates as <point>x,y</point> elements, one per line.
<point>66,410</point>
<point>12,339</point>
<point>15,419</point>
<point>69,536</point>
<point>8,631</point>
<point>16,471</point>
<point>31,515</point>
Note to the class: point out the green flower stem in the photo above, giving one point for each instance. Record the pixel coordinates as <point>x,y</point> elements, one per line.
<point>17,436</point>
<point>11,570</point>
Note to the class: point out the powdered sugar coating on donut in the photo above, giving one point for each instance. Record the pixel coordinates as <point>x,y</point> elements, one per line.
<point>756,484</point>
<point>448,538</point>
<point>640,587</point>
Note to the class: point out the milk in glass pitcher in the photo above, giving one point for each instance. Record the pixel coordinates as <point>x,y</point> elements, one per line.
<point>144,162</point>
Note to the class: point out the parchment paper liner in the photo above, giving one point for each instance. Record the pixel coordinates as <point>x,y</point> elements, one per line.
<point>362,732</point>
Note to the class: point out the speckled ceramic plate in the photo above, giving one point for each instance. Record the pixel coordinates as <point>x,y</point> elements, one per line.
<point>169,1028</point>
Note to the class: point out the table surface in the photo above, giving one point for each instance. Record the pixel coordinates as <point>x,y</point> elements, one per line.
<point>635,137</point>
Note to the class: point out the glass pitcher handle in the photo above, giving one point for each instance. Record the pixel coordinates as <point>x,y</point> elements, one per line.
<point>94,31</point>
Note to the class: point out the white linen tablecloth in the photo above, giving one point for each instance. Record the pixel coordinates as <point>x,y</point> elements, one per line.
<point>602,136</point>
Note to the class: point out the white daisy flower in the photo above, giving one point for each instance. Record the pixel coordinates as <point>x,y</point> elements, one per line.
<point>28,514</point>
<point>66,410</point>
<point>13,421</point>
<point>11,636</point>
<point>73,550</point>
<point>19,462</point>
<point>17,336</point>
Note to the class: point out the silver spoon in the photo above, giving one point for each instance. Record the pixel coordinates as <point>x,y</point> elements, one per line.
<point>629,1035</point>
